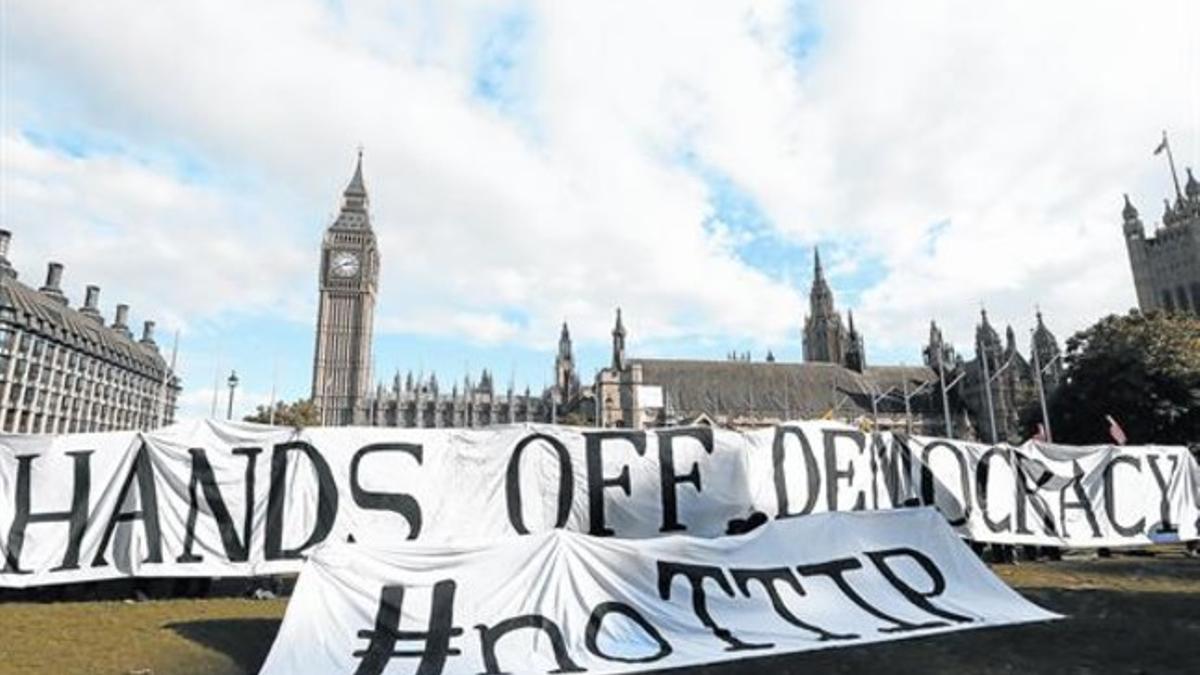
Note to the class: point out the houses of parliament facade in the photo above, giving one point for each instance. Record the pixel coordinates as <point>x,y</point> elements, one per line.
<point>946,395</point>
<point>1166,264</point>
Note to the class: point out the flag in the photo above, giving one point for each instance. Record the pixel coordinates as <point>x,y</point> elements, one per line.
<point>1040,434</point>
<point>1161,146</point>
<point>1115,430</point>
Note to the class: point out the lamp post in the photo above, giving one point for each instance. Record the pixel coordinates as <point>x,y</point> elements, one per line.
<point>908,397</point>
<point>233,383</point>
<point>946,396</point>
<point>988,378</point>
<point>876,397</point>
<point>1040,370</point>
<point>942,387</point>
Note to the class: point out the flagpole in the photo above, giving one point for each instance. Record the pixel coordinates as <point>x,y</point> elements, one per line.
<point>1041,387</point>
<point>1171,160</point>
<point>274,382</point>
<point>162,387</point>
<point>987,384</point>
<point>216,386</point>
<point>942,386</point>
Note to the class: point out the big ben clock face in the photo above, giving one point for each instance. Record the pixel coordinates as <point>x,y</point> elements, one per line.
<point>343,264</point>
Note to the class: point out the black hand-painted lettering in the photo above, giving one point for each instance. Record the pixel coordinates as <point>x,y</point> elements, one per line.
<point>836,571</point>
<point>596,623</point>
<point>76,517</point>
<point>696,574</point>
<point>512,482</point>
<point>381,647</point>
<point>489,636</point>
<point>237,549</point>
<point>598,482</point>
<point>669,479</point>
<point>327,500</point>
<point>916,597</point>
<point>147,511</point>
<point>767,578</point>
<point>403,504</point>
<point>811,470</point>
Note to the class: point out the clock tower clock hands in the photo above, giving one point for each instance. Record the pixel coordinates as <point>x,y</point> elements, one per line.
<point>344,264</point>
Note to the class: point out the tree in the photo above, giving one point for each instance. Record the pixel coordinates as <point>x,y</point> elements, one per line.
<point>301,413</point>
<point>1143,369</point>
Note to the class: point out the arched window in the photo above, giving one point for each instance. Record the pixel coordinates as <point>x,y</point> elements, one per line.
<point>1181,299</point>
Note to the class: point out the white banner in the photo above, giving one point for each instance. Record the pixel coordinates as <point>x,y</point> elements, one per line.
<point>220,499</point>
<point>561,602</point>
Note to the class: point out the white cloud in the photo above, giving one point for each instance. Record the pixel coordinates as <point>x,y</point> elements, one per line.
<point>1019,126</point>
<point>148,239</point>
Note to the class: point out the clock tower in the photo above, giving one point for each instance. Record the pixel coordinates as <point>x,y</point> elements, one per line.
<point>346,310</point>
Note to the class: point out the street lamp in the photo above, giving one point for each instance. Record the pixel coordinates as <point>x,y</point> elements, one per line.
<point>233,383</point>
<point>1040,370</point>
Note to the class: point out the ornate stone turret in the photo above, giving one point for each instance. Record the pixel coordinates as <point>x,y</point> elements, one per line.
<point>1133,224</point>
<point>618,343</point>
<point>856,353</point>
<point>988,382</point>
<point>986,337</point>
<point>933,349</point>
<point>824,334</point>
<point>989,348</point>
<point>354,198</point>
<point>566,380</point>
<point>1010,341</point>
<point>1046,347</point>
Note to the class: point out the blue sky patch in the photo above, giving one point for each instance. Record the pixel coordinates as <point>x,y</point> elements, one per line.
<point>501,76</point>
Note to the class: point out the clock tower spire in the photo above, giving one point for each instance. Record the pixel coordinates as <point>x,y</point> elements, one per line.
<point>348,282</point>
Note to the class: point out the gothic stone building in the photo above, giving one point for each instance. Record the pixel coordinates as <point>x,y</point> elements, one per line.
<point>1166,265</point>
<point>62,370</point>
<point>833,382</point>
<point>342,361</point>
<point>836,382</point>
<point>998,385</point>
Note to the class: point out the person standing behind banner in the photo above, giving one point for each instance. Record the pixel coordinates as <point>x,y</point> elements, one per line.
<point>1193,546</point>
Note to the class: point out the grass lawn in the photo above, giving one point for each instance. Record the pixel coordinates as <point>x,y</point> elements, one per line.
<point>1126,615</point>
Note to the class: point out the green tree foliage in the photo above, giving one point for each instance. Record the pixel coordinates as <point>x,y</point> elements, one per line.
<point>300,413</point>
<point>1143,369</point>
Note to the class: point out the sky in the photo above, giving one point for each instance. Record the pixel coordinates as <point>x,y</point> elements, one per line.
<point>535,162</point>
